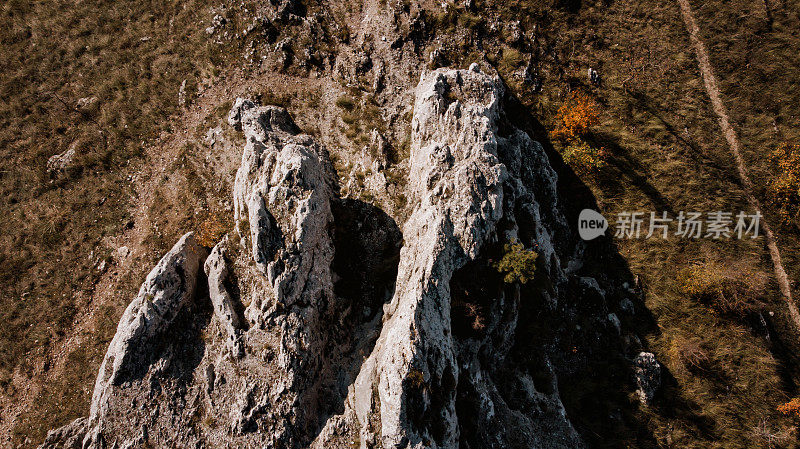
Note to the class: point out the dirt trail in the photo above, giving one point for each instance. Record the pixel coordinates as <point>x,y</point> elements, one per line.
<point>712,88</point>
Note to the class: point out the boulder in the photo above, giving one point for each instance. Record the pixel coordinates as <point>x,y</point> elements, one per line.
<point>59,163</point>
<point>648,377</point>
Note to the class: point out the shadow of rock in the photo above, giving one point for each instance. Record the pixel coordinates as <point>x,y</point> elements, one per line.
<point>367,245</point>
<point>578,342</point>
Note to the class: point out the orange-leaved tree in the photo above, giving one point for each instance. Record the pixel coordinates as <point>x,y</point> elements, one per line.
<point>576,117</point>
<point>574,121</point>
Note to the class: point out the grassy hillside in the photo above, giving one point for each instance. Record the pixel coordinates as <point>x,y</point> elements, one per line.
<point>101,77</point>
<point>727,371</point>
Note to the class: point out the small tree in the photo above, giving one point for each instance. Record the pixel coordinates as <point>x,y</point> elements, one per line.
<point>576,117</point>
<point>574,121</point>
<point>518,264</point>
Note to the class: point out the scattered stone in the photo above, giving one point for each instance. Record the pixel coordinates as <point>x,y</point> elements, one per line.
<point>86,102</point>
<point>59,163</point>
<point>122,252</point>
<point>648,376</point>
<point>182,95</point>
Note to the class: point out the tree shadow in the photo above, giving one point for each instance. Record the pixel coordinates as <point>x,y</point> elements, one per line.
<point>690,148</point>
<point>625,166</point>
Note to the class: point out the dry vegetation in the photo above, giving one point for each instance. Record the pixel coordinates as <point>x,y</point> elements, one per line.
<point>102,78</point>
<point>784,187</point>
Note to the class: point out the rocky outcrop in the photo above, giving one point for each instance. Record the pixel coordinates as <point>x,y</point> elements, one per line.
<point>455,364</point>
<point>317,330</point>
<point>68,437</point>
<point>216,269</point>
<point>265,354</point>
<point>456,180</point>
<point>169,287</point>
<point>283,190</point>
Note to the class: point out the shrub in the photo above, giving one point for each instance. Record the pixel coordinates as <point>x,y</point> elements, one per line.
<point>518,264</point>
<point>574,121</point>
<point>576,117</point>
<point>584,158</point>
<point>691,353</point>
<point>510,60</point>
<point>728,292</point>
<point>791,408</point>
<point>784,187</point>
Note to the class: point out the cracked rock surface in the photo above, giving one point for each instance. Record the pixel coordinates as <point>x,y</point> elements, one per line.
<point>317,323</point>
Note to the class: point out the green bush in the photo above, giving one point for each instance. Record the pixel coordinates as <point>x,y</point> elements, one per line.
<point>518,264</point>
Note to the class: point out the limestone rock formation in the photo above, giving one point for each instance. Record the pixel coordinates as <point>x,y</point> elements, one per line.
<point>169,288</point>
<point>455,365</point>
<point>216,269</point>
<point>68,437</point>
<point>317,330</point>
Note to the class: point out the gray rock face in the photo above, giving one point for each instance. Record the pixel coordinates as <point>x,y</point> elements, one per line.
<point>240,106</point>
<point>407,393</point>
<point>268,353</point>
<point>216,268</point>
<point>169,288</point>
<point>317,330</point>
<point>456,179</point>
<point>68,437</point>
<point>283,190</point>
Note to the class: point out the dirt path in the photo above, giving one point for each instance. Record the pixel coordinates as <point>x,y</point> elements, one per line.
<point>712,88</point>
